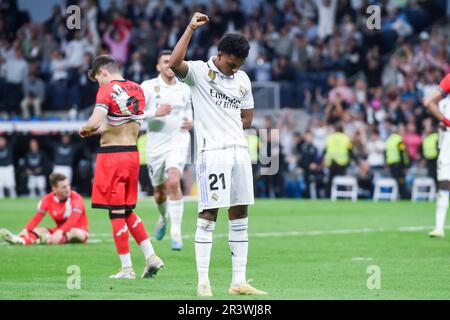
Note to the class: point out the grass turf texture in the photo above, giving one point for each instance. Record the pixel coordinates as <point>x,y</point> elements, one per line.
<point>298,250</point>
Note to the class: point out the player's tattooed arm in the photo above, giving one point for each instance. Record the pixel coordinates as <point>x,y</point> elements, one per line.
<point>431,102</point>
<point>94,123</point>
<point>177,63</point>
<point>247,118</point>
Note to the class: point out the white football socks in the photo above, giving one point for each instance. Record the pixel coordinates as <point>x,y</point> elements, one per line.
<point>175,211</point>
<point>125,260</point>
<point>147,248</point>
<point>238,240</point>
<point>203,245</point>
<point>441,209</point>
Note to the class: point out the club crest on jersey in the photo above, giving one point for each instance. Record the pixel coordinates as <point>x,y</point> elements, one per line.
<point>241,90</point>
<point>214,197</point>
<point>212,75</point>
<point>157,88</point>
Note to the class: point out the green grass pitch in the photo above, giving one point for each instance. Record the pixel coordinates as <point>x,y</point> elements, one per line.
<point>298,250</point>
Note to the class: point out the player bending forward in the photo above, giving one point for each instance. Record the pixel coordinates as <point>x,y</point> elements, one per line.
<point>66,208</point>
<point>223,106</point>
<point>121,103</point>
<point>441,111</point>
<point>167,144</point>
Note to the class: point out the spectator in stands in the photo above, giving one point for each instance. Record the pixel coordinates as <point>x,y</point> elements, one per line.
<point>308,160</point>
<point>135,71</point>
<point>59,80</point>
<point>34,95</point>
<point>63,156</point>
<point>375,151</point>
<point>397,159</point>
<point>36,162</point>
<point>118,42</point>
<point>7,172</point>
<point>412,141</point>
<point>365,179</point>
<point>16,70</point>
<point>430,150</point>
<point>327,16</point>
<point>337,154</point>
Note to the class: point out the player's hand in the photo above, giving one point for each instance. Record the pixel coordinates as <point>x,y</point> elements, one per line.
<point>163,110</point>
<point>187,125</point>
<point>84,133</point>
<point>24,232</point>
<point>198,20</point>
<point>56,237</point>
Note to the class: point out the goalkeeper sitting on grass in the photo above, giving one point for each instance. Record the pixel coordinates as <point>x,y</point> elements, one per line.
<point>65,207</point>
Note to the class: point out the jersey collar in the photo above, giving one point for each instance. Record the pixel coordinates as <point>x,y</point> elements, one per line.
<point>57,199</point>
<point>162,83</point>
<point>213,67</point>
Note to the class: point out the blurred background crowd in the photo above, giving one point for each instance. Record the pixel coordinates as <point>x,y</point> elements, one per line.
<point>350,97</point>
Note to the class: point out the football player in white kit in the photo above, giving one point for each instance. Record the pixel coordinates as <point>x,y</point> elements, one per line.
<point>223,107</point>
<point>168,142</point>
<point>440,108</point>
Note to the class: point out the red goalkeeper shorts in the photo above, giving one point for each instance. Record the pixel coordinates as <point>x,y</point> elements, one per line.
<point>116,178</point>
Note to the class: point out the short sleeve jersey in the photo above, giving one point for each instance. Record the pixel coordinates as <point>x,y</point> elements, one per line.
<point>61,211</point>
<point>123,100</point>
<point>217,101</point>
<point>163,131</point>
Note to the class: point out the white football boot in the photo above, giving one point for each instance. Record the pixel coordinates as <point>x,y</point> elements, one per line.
<point>204,290</point>
<point>436,234</point>
<point>152,266</point>
<point>124,273</point>
<point>10,237</point>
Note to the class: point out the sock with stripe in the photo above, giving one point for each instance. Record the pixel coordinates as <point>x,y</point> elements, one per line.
<point>238,241</point>
<point>203,245</point>
<point>137,230</point>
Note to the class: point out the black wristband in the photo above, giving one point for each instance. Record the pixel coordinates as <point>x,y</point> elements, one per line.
<point>192,28</point>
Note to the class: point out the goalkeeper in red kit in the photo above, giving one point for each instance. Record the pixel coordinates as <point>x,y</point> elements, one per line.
<point>118,115</point>
<point>65,207</point>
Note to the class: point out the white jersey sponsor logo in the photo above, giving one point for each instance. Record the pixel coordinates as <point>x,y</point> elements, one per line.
<point>217,100</point>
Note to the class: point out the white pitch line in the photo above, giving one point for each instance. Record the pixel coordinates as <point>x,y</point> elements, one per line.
<point>305,233</point>
<point>96,237</point>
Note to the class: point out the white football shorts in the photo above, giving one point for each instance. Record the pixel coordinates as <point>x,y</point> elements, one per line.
<point>175,157</point>
<point>225,178</point>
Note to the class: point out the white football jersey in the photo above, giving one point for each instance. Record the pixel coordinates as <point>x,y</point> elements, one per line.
<point>217,101</point>
<point>162,131</point>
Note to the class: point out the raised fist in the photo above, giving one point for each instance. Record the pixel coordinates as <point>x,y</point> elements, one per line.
<point>198,20</point>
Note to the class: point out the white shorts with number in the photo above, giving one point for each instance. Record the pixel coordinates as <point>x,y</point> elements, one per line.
<point>175,157</point>
<point>225,178</point>
<point>7,178</point>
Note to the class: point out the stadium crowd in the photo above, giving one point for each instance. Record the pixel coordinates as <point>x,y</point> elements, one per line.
<point>366,83</point>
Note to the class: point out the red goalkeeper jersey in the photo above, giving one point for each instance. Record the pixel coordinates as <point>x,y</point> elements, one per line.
<point>123,100</point>
<point>67,214</point>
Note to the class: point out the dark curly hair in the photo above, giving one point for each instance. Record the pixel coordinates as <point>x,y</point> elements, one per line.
<point>234,44</point>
